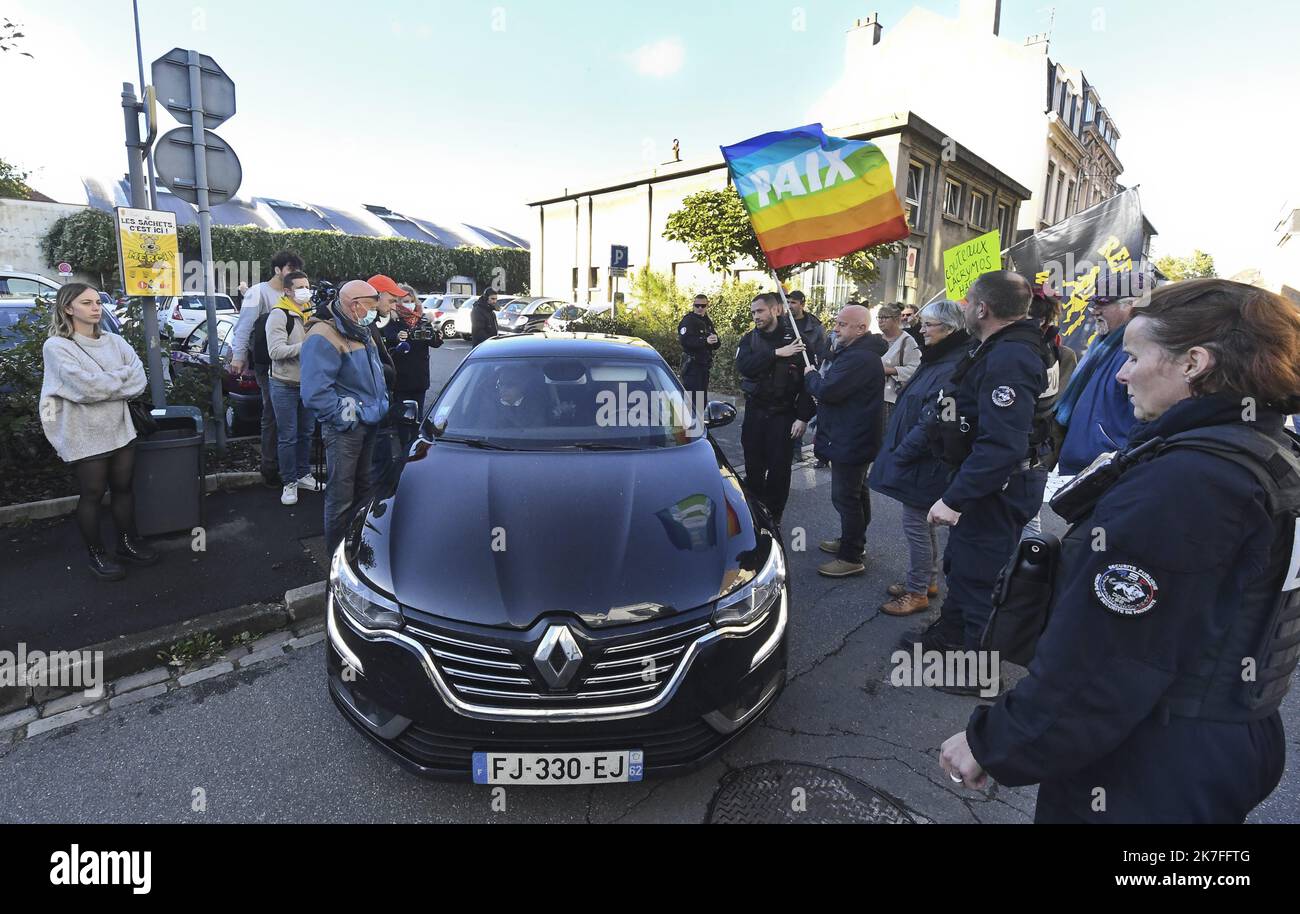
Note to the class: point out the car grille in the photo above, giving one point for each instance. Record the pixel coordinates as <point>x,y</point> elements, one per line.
<point>665,747</point>
<point>499,671</point>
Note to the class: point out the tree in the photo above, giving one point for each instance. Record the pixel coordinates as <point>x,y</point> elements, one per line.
<point>8,33</point>
<point>716,228</point>
<point>1199,266</point>
<point>13,182</point>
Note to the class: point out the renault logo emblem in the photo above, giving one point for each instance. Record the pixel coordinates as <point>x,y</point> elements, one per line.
<point>558,656</point>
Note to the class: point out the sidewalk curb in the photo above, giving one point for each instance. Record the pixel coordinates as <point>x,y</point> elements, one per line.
<point>60,507</point>
<point>132,673</point>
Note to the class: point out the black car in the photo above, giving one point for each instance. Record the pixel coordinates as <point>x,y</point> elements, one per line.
<point>622,614</point>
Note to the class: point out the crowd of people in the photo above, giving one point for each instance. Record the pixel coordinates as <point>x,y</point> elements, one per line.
<point>1173,630</point>
<point>354,368</point>
<point>1181,488</point>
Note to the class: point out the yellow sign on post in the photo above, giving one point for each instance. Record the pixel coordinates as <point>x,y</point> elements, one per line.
<point>147,252</point>
<point>966,262</point>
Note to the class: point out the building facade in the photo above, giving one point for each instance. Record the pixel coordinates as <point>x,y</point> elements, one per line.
<point>949,193</point>
<point>1040,121</point>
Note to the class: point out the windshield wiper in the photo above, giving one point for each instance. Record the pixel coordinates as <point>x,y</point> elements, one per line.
<point>472,442</point>
<point>602,446</point>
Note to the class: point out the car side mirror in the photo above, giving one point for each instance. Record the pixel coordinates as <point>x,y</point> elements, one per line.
<point>719,415</point>
<point>411,411</point>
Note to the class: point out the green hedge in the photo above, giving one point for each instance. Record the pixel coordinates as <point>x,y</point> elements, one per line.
<point>86,241</point>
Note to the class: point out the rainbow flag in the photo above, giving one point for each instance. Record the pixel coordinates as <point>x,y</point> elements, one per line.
<point>815,197</point>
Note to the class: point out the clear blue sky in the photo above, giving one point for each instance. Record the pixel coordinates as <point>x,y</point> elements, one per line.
<point>468,109</point>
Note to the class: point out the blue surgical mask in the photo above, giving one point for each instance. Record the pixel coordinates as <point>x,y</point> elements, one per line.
<point>368,319</point>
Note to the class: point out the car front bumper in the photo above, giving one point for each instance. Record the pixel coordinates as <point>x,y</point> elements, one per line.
<point>399,702</point>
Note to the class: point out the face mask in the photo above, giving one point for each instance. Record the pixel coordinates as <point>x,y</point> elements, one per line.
<point>302,296</point>
<point>368,318</point>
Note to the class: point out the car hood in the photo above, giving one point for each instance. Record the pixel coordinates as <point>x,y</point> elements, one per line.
<point>501,539</point>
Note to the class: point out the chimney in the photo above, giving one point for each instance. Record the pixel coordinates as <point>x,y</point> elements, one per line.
<point>872,25</point>
<point>982,14</point>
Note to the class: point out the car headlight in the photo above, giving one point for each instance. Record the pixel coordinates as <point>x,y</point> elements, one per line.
<point>758,596</point>
<point>356,598</point>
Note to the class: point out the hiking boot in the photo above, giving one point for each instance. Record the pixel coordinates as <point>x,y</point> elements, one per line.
<point>897,590</point>
<point>105,568</point>
<point>841,569</point>
<point>830,546</point>
<point>939,635</point>
<point>135,550</point>
<point>907,604</point>
<point>289,496</point>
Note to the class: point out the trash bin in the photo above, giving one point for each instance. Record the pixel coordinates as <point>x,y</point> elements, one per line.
<point>169,473</point>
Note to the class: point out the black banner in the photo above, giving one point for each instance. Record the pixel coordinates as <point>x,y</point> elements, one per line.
<point>1097,252</point>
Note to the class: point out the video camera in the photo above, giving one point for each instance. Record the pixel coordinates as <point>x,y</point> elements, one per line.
<point>324,295</point>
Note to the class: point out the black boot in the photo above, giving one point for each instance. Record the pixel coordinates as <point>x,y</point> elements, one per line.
<point>104,567</point>
<point>941,635</point>
<point>135,550</point>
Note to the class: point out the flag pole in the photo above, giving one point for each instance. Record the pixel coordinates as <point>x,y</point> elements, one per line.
<point>790,314</point>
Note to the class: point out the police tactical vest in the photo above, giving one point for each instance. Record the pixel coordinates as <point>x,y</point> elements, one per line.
<point>952,436</point>
<point>778,387</point>
<point>1265,633</point>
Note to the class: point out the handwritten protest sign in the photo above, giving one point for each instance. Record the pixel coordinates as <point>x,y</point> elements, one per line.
<point>966,262</point>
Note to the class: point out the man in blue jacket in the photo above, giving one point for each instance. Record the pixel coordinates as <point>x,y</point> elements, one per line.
<point>1095,410</point>
<point>343,384</point>
<point>849,399</point>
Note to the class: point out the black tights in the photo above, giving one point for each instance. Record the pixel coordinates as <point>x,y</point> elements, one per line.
<point>114,472</point>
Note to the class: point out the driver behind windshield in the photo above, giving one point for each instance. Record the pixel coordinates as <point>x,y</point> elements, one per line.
<point>520,401</point>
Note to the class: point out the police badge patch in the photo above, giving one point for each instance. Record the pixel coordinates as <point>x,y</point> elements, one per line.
<point>1004,397</point>
<point>1126,590</point>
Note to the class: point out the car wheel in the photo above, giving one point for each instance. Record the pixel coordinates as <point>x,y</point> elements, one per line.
<point>449,330</point>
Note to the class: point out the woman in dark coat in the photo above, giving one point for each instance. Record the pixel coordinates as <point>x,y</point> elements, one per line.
<point>906,470</point>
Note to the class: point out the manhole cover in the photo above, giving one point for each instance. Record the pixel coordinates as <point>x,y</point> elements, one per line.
<point>783,792</point>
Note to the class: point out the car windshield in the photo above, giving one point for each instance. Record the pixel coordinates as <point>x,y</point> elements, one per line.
<point>514,307</point>
<point>565,403</point>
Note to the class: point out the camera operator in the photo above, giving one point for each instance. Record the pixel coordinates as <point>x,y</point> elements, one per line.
<point>409,337</point>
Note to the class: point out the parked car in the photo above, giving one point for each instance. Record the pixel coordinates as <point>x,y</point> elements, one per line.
<point>11,312</point>
<point>463,328</point>
<point>185,312</point>
<point>525,315</point>
<point>503,666</point>
<point>26,287</point>
<point>568,314</point>
<point>441,312</point>
<point>243,396</point>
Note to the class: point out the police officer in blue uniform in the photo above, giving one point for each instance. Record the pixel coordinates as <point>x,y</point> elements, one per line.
<point>770,362</point>
<point>1175,626</point>
<point>699,339</point>
<point>982,426</point>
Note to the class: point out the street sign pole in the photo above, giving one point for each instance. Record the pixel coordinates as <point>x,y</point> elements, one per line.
<point>205,244</point>
<point>140,200</point>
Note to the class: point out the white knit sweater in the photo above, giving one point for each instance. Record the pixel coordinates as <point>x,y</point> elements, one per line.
<point>84,394</point>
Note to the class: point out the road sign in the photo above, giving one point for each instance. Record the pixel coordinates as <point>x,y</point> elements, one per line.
<point>618,257</point>
<point>65,268</point>
<point>174,159</point>
<point>147,252</point>
<point>171,81</point>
